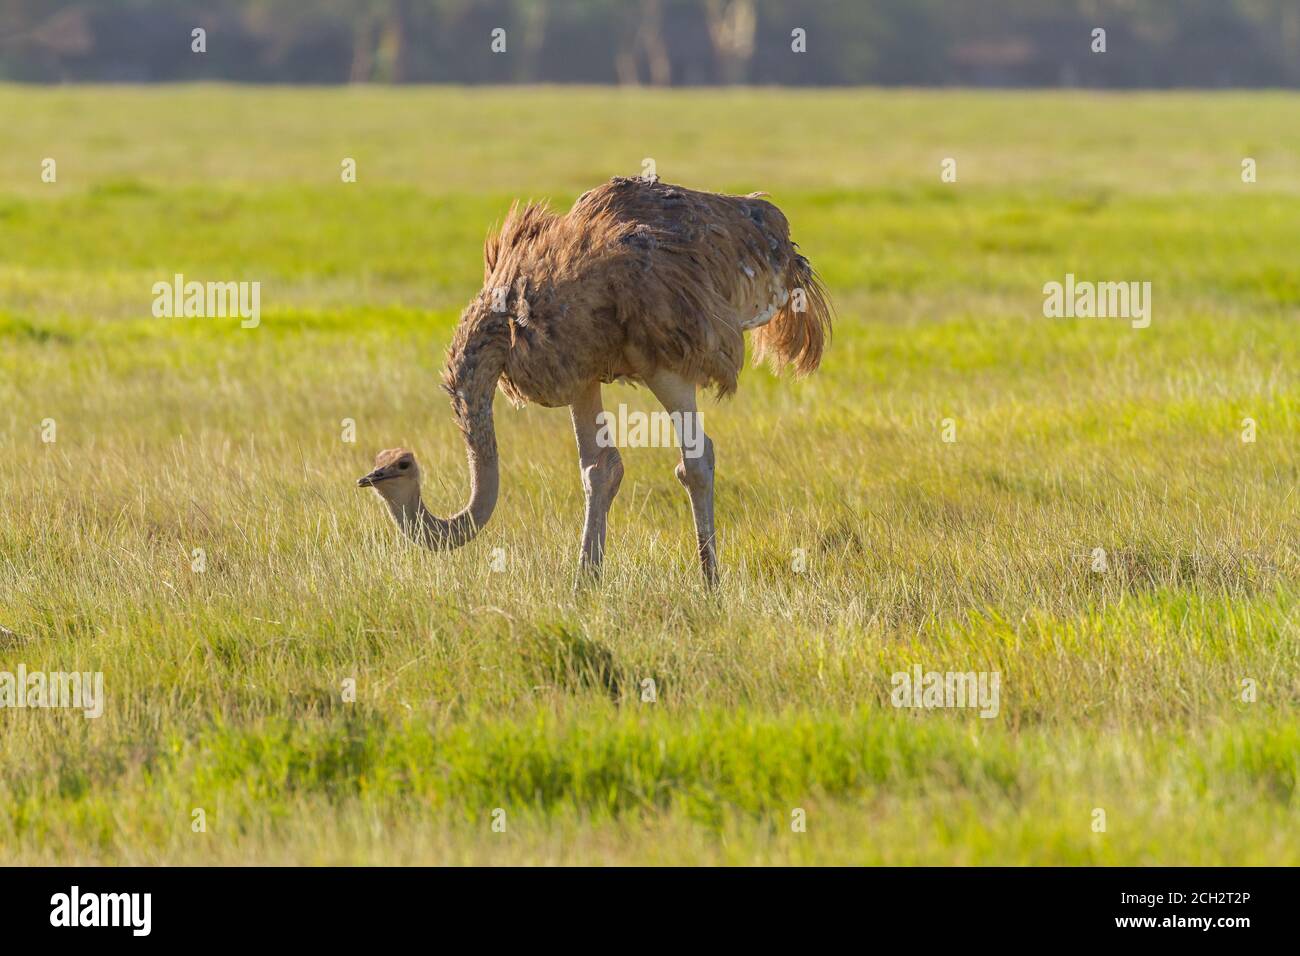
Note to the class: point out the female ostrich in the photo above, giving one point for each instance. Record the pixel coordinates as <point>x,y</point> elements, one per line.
<point>640,281</point>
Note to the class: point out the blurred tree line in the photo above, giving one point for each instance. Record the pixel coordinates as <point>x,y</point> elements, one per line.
<point>1149,43</point>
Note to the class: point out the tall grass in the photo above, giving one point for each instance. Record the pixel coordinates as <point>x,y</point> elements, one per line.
<point>855,541</point>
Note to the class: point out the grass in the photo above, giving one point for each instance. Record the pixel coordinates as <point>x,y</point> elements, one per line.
<point>479,691</point>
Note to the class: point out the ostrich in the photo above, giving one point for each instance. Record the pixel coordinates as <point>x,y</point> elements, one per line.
<point>640,281</point>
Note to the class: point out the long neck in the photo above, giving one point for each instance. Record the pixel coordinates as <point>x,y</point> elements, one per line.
<point>474,365</point>
<point>425,528</point>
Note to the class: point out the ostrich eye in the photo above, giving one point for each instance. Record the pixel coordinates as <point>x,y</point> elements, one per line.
<point>403,465</point>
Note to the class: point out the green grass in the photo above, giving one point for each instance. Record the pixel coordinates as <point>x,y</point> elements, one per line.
<point>478,691</point>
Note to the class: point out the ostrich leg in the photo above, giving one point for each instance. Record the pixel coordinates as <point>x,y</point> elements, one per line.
<point>602,471</point>
<point>695,470</point>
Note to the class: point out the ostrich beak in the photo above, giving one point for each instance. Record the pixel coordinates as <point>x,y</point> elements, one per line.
<point>368,481</point>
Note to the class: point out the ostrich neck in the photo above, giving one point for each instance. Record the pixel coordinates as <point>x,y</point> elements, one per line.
<point>473,369</point>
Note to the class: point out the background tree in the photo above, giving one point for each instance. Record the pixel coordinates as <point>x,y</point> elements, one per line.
<point>1152,43</point>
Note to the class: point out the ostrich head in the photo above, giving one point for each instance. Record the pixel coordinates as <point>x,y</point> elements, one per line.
<point>395,477</point>
<point>396,480</point>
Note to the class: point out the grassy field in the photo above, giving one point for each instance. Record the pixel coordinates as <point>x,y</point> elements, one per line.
<point>479,691</point>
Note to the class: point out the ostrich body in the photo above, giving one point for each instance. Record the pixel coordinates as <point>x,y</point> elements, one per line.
<point>640,281</point>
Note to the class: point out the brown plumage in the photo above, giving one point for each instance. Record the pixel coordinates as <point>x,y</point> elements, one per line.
<point>640,281</point>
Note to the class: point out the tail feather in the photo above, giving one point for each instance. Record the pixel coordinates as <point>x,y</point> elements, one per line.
<point>798,332</point>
